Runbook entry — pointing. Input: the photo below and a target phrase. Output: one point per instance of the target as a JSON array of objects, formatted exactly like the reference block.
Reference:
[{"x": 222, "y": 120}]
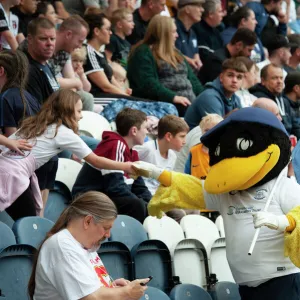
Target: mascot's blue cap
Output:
[{"x": 247, "y": 115}]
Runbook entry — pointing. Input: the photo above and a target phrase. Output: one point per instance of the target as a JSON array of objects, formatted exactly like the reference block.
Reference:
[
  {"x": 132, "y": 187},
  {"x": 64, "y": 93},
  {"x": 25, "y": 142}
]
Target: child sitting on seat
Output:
[
  {"x": 172, "y": 131},
  {"x": 130, "y": 196},
  {"x": 197, "y": 163}
]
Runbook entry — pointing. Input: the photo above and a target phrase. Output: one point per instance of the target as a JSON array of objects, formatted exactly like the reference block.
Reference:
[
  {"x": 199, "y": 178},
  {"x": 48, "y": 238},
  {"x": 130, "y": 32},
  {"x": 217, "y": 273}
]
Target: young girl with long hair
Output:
[
  {"x": 51, "y": 131},
  {"x": 157, "y": 71}
]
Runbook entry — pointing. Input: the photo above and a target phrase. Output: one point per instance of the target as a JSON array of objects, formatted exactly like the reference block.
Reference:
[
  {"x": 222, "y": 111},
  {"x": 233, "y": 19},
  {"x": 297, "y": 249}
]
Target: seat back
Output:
[
  {"x": 189, "y": 292},
  {"x": 152, "y": 258},
  {"x": 6, "y": 219},
  {"x": 31, "y": 230},
  {"x": 15, "y": 270},
  {"x": 128, "y": 231},
  {"x": 219, "y": 262},
  {"x": 190, "y": 262},
  {"x": 200, "y": 228},
  {"x": 58, "y": 200},
  {"x": 93, "y": 125},
  {"x": 7, "y": 237},
  {"x": 220, "y": 225},
  {"x": 225, "y": 291},
  {"x": 165, "y": 229},
  {"x": 117, "y": 260},
  {"x": 154, "y": 294},
  {"x": 67, "y": 172}
]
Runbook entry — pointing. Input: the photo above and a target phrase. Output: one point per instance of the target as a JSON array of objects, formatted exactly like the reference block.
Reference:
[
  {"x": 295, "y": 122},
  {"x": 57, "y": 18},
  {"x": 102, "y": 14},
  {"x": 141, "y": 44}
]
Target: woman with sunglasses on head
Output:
[{"x": 51, "y": 131}]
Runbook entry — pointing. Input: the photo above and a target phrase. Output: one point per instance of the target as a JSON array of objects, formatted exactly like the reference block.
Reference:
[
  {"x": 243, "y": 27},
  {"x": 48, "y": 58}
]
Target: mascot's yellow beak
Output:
[{"x": 240, "y": 173}]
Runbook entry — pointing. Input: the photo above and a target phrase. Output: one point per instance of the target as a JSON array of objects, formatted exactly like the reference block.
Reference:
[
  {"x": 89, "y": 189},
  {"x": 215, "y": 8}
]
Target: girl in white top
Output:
[
  {"x": 51, "y": 131},
  {"x": 68, "y": 266},
  {"x": 250, "y": 79}
]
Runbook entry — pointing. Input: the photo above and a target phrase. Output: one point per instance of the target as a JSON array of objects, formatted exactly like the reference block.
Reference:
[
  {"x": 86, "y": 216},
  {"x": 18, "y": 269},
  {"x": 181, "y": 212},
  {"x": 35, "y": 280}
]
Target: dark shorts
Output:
[
  {"x": 280, "y": 288},
  {"x": 46, "y": 174}
]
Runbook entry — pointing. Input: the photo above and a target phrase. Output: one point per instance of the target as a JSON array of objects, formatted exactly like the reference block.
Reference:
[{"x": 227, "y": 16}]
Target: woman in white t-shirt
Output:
[
  {"x": 51, "y": 131},
  {"x": 68, "y": 266}
]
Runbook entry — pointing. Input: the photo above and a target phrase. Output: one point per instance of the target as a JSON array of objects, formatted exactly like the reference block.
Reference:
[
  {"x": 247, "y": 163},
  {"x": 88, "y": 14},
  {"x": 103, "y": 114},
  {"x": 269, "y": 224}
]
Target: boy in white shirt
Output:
[{"x": 172, "y": 132}]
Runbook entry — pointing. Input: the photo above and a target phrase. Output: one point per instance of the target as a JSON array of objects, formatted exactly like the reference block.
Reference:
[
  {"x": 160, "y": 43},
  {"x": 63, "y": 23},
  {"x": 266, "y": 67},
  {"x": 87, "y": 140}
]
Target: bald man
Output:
[{"x": 269, "y": 105}]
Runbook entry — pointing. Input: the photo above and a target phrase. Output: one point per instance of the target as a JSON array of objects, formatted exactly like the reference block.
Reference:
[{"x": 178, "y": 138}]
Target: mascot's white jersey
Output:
[{"x": 267, "y": 260}]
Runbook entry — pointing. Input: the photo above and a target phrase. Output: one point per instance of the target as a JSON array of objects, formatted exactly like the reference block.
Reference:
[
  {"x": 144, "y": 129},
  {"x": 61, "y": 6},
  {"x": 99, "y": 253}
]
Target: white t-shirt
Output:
[
  {"x": 46, "y": 146},
  {"x": 192, "y": 139},
  {"x": 246, "y": 98},
  {"x": 149, "y": 152},
  {"x": 12, "y": 22},
  {"x": 66, "y": 271},
  {"x": 267, "y": 260}
]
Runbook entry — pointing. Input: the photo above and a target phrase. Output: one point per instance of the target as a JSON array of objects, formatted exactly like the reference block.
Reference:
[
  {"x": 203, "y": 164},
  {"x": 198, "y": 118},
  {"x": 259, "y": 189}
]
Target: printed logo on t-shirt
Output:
[
  {"x": 3, "y": 23},
  {"x": 14, "y": 24},
  {"x": 14, "y": 154},
  {"x": 53, "y": 83},
  {"x": 101, "y": 272},
  {"x": 232, "y": 210},
  {"x": 260, "y": 194}
]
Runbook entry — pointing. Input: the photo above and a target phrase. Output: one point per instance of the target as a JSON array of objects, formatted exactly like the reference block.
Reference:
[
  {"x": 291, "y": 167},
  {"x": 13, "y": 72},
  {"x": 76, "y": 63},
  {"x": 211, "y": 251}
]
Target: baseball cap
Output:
[
  {"x": 182, "y": 3},
  {"x": 278, "y": 41}
]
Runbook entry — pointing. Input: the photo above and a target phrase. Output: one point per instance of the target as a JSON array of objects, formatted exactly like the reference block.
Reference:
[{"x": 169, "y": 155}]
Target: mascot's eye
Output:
[
  {"x": 243, "y": 144},
  {"x": 217, "y": 151}
]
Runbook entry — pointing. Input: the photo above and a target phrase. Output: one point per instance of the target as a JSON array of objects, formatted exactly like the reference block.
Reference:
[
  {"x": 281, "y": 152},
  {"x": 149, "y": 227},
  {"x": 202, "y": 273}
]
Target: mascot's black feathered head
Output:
[{"x": 249, "y": 148}]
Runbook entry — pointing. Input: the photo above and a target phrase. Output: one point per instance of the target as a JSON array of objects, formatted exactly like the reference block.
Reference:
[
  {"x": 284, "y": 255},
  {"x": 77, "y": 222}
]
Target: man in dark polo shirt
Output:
[
  {"x": 209, "y": 37},
  {"x": 142, "y": 17},
  {"x": 189, "y": 13},
  {"x": 41, "y": 84}
]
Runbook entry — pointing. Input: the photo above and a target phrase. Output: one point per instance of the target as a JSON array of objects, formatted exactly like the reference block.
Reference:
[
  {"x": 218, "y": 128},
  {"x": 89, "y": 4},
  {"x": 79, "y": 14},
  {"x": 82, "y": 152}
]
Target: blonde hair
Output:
[
  {"x": 95, "y": 204},
  {"x": 208, "y": 120},
  {"x": 79, "y": 53},
  {"x": 159, "y": 37},
  {"x": 118, "y": 15}
]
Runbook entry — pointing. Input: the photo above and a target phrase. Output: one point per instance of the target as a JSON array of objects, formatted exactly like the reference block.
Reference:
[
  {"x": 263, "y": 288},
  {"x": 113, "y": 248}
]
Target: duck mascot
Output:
[{"x": 247, "y": 183}]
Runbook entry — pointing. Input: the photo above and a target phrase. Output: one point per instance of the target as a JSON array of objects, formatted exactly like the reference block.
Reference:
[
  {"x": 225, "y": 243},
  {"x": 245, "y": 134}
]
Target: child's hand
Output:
[
  {"x": 18, "y": 145},
  {"x": 128, "y": 91},
  {"x": 80, "y": 71}
]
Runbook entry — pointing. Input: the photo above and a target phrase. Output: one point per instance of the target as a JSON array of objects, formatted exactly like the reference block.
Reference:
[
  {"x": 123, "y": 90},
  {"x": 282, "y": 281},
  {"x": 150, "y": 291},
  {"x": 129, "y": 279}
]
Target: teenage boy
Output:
[
  {"x": 219, "y": 96},
  {"x": 130, "y": 196},
  {"x": 118, "y": 48},
  {"x": 172, "y": 132}
]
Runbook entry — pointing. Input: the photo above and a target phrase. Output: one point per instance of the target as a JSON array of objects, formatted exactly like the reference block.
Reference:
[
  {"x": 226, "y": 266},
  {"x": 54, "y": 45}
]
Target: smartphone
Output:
[{"x": 150, "y": 278}]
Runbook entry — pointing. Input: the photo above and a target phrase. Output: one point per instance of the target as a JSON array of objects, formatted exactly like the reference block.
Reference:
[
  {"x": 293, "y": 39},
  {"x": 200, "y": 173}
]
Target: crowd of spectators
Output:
[{"x": 204, "y": 58}]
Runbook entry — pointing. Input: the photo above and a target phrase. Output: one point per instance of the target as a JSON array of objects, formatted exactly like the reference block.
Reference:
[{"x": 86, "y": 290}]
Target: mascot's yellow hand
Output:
[
  {"x": 177, "y": 190},
  {"x": 292, "y": 237}
]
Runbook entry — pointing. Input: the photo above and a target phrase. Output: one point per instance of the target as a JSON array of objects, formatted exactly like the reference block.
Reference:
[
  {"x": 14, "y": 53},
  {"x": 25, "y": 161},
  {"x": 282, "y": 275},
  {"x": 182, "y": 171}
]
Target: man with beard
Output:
[
  {"x": 271, "y": 86},
  {"x": 241, "y": 44},
  {"x": 219, "y": 96}
]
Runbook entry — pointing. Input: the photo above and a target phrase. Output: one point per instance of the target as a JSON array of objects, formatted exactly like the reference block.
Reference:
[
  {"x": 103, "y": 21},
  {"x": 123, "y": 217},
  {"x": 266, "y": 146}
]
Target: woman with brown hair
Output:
[
  {"x": 157, "y": 71},
  {"x": 67, "y": 265},
  {"x": 51, "y": 131}
]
